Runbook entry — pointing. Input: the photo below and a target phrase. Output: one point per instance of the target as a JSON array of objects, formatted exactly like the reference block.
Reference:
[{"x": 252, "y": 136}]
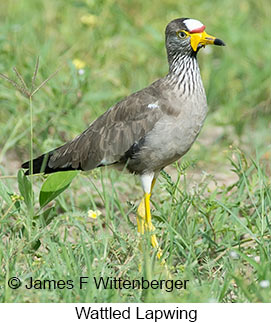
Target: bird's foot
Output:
[{"x": 144, "y": 226}]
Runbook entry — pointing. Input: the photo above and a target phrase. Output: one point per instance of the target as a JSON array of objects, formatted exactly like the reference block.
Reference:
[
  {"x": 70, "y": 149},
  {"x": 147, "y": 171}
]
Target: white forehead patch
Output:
[{"x": 192, "y": 24}]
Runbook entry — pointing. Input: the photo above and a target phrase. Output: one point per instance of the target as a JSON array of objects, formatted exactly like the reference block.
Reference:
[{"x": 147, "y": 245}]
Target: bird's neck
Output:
[
  {"x": 184, "y": 73},
  {"x": 178, "y": 62}
]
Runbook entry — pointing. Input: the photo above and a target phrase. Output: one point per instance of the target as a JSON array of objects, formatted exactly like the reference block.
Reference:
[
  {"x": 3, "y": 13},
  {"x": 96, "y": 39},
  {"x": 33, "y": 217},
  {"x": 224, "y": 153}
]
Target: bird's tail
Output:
[{"x": 41, "y": 165}]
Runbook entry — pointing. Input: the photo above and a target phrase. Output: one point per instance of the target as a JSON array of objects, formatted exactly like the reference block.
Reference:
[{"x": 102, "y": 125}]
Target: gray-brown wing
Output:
[{"x": 112, "y": 134}]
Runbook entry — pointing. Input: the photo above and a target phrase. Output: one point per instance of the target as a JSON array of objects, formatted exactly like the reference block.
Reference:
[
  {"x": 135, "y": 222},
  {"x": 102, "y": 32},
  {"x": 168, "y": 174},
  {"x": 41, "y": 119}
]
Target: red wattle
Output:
[{"x": 197, "y": 30}]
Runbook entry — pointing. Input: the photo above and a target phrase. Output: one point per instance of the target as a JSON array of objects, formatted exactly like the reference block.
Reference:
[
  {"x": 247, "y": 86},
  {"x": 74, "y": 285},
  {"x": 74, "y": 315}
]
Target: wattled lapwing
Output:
[{"x": 149, "y": 129}]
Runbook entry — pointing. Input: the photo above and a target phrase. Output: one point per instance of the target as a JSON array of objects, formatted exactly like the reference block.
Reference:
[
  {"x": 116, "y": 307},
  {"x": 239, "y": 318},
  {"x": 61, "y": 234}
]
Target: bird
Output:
[{"x": 147, "y": 130}]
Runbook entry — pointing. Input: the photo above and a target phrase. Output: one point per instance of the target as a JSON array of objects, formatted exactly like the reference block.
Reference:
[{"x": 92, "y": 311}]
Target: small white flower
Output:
[
  {"x": 81, "y": 71},
  {"x": 257, "y": 259},
  {"x": 234, "y": 255},
  {"x": 94, "y": 214},
  {"x": 265, "y": 283}
]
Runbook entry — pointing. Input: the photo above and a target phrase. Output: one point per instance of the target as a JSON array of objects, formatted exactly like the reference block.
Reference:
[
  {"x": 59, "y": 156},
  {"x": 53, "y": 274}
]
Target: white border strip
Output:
[{"x": 124, "y": 312}]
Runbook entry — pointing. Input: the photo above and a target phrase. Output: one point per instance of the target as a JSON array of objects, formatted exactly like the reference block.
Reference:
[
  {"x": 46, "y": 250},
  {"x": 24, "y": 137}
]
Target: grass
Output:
[{"x": 211, "y": 210}]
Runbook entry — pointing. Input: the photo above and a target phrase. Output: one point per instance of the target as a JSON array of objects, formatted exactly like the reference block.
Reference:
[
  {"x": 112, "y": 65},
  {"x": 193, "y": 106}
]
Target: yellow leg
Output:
[
  {"x": 148, "y": 223},
  {"x": 141, "y": 217},
  {"x": 144, "y": 220},
  {"x": 141, "y": 213}
]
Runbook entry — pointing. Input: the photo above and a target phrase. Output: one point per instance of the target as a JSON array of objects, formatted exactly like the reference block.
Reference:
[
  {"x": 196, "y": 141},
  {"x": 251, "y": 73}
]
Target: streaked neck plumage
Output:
[{"x": 184, "y": 74}]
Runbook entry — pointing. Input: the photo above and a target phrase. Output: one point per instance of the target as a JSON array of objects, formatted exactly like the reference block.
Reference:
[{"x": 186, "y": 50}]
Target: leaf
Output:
[
  {"x": 25, "y": 188},
  {"x": 4, "y": 193},
  {"x": 54, "y": 185}
]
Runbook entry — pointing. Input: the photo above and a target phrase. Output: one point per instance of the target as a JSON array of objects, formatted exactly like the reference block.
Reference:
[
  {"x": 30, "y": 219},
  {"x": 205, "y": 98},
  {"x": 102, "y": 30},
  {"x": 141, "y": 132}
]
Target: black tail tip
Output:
[
  {"x": 25, "y": 165},
  {"x": 39, "y": 165}
]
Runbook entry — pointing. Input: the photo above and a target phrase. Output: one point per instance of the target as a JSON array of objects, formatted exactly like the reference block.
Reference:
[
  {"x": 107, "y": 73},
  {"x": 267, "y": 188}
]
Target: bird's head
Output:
[{"x": 187, "y": 36}]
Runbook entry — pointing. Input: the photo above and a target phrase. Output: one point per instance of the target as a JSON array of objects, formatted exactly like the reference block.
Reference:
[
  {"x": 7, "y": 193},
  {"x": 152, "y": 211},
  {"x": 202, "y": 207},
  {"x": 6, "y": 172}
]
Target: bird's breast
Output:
[{"x": 173, "y": 136}]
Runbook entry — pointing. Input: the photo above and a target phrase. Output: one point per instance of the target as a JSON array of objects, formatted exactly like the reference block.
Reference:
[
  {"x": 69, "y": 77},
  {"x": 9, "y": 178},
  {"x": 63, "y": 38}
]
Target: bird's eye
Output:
[{"x": 182, "y": 34}]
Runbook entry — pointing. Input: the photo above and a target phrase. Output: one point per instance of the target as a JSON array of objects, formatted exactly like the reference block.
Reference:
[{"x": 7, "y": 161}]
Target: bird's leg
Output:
[
  {"x": 141, "y": 217},
  {"x": 141, "y": 214},
  {"x": 144, "y": 219}
]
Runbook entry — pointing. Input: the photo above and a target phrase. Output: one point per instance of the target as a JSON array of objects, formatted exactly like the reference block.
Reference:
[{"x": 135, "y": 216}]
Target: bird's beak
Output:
[{"x": 204, "y": 39}]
